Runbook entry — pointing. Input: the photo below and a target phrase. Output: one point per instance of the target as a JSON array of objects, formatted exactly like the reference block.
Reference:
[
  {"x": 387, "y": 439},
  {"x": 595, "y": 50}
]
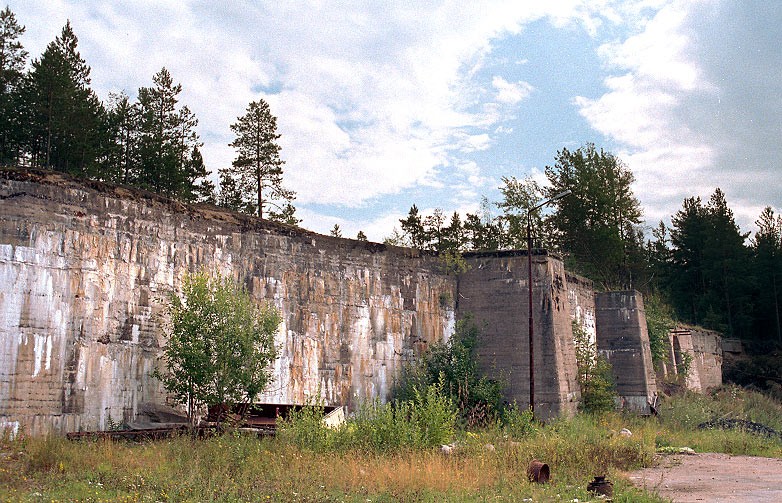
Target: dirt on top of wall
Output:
[{"x": 246, "y": 223}]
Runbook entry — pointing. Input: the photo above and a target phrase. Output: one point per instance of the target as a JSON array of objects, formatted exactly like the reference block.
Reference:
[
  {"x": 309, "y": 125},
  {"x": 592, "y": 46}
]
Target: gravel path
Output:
[{"x": 714, "y": 478}]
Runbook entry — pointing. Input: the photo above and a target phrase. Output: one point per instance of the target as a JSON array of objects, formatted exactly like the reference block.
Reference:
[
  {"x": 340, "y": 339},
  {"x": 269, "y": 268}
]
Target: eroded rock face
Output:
[{"x": 85, "y": 268}]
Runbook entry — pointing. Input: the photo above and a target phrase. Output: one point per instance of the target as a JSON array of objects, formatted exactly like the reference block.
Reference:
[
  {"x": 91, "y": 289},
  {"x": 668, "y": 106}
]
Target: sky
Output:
[{"x": 382, "y": 105}]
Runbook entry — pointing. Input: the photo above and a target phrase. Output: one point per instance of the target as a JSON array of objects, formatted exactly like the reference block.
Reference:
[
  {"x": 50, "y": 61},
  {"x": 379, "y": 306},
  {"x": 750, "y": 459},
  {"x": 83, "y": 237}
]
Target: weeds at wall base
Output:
[{"x": 236, "y": 468}]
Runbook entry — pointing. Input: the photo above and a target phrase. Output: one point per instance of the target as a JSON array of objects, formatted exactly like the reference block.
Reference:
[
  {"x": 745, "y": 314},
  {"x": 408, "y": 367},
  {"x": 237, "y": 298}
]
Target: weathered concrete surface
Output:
[
  {"x": 581, "y": 296},
  {"x": 84, "y": 266},
  {"x": 623, "y": 339},
  {"x": 705, "y": 349},
  {"x": 495, "y": 291}
]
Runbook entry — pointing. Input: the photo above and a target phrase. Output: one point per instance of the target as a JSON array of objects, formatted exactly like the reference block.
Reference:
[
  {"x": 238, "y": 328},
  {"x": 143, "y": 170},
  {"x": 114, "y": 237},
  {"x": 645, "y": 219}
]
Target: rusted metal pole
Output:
[
  {"x": 529, "y": 284},
  {"x": 531, "y": 330}
]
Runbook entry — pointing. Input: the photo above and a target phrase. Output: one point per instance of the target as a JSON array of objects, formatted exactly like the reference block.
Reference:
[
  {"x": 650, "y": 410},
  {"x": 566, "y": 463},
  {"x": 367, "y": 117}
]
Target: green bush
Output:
[
  {"x": 477, "y": 397},
  {"x": 305, "y": 427},
  {"x": 659, "y": 322},
  {"x": 517, "y": 423},
  {"x": 594, "y": 375},
  {"x": 426, "y": 421}
]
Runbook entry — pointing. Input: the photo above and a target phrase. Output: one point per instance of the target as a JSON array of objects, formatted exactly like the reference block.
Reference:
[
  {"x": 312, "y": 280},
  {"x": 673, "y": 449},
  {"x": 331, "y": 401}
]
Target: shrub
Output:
[
  {"x": 594, "y": 375},
  {"x": 659, "y": 322},
  {"x": 220, "y": 343},
  {"x": 426, "y": 421},
  {"x": 516, "y": 422},
  {"x": 305, "y": 428},
  {"x": 477, "y": 397}
]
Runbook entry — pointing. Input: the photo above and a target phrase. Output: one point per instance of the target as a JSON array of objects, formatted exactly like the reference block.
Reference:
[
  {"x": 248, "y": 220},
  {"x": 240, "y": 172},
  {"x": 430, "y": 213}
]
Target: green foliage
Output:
[
  {"x": 518, "y": 197},
  {"x": 305, "y": 428},
  {"x": 167, "y": 141},
  {"x": 684, "y": 366},
  {"x": 63, "y": 115},
  {"x": 594, "y": 374},
  {"x": 767, "y": 254},
  {"x": 220, "y": 343},
  {"x": 710, "y": 283},
  {"x": 254, "y": 182},
  {"x": 659, "y": 323},
  {"x": 12, "y": 63},
  {"x": 517, "y": 423},
  {"x": 596, "y": 224},
  {"x": 477, "y": 397},
  {"x": 426, "y": 421},
  {"x": 453, "y": 263},
  {"x": 335, "y": 231}
]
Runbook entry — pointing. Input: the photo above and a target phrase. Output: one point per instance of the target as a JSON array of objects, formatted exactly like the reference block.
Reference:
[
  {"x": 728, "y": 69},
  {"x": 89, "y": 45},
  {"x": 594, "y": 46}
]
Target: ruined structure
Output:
[
  {"x": 700, "y": 351},
  {"x": 85, "y": 268},
  {"x": 495, "y": 290},
  {"x": 623, "y": 340}
]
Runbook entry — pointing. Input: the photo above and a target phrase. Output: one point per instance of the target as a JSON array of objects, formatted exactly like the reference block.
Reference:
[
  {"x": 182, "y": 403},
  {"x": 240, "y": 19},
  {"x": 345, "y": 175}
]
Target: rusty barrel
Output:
[{"x": 538, "y": 472}]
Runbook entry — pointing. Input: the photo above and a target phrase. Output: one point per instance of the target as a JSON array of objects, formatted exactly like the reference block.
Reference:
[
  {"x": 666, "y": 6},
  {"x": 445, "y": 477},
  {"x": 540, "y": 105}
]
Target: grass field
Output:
[{"x": 238, "y": 468}]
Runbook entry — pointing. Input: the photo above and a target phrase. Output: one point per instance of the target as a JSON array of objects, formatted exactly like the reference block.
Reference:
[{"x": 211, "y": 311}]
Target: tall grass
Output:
[
  {"x": 426, "y": 421},
  {"x": 375, "y": 457}
]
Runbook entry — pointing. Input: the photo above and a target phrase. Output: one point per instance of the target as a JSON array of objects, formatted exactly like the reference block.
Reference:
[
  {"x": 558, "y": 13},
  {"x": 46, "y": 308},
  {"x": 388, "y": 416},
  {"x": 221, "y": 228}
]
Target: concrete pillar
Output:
[
  {"x": 494, "y": 290},
  {"x": 623, "y": 340}
]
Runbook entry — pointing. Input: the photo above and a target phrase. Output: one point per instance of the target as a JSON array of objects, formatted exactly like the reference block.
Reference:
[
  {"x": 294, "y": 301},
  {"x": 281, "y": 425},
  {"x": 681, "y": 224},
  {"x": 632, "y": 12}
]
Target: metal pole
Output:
[
  {"x": 529, "y": 284},
  {"x": 531, "y": 330}
]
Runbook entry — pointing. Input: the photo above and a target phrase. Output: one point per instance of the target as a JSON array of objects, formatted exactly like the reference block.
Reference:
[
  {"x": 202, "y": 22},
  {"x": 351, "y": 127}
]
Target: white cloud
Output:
[
  {"x": 693, "y": 103},
  {"x": 511, "y": 92},
  {"x": 372, "y": 98}
]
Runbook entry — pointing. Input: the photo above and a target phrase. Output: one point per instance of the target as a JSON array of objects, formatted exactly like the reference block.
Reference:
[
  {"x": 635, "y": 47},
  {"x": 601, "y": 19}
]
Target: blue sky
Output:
[{"x": 381, "y": 106}]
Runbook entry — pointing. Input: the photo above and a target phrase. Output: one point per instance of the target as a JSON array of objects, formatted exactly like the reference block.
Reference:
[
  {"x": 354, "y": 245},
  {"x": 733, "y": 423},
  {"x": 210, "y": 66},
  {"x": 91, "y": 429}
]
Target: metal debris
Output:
[{"x": 538, "y": 472}]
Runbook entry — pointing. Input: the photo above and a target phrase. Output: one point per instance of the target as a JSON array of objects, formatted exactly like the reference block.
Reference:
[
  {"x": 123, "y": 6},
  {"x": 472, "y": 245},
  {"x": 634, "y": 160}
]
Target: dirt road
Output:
[{"x": 714, "y": 478}]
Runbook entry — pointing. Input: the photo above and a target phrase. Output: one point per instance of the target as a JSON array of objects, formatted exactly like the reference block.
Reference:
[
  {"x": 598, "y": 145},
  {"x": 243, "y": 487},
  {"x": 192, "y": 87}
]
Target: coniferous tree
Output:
[
  {"x": 413, "y": 229},
  {"x": 167, "y": 138},
  {"x": 710, "y": 281},
  {"x": 767, "y": 251},
  {"x": 198, "y": 189},
  {"x": 119, "y": 160},
  {"x": 12, "y": 61},
  {"x": 453, "y": 235},
  {"x": 257, "y": 170},
  {"x": 361, "y": 236},
  {"x": 336, "y": 231},
  {"x": 689, "y": 228},
  {"x": 726, "y": 259},
  {"x": 63, "y": 114}
]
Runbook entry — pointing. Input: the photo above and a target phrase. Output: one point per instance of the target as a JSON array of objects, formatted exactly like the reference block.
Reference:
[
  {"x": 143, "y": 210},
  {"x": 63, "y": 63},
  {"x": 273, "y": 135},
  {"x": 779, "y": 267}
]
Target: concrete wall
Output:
[
  {"x": 623, "y": 339},
  {"x": 705, "y": 348},
  {"x": 84, "y": 266},
  {"x": 581, "y": 297},
  {"x": 495, "y": 291}
]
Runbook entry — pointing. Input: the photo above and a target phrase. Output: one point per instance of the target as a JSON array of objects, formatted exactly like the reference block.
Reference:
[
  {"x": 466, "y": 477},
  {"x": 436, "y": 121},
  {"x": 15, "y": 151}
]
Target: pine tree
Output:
[
  {"x": 168, "y": 161},
  {"x": 361, "y": 236},
  {"x": 727, "y": 259},
  {"x": 198, "y": 188},
  {"x": 12, "y": 61},
  {"x": 710, "y": 281},
  {"x": 257, "y": 170},
  {"x": 64, "y": 115},
  {"x": 336, "y": 231},
  {"x": 413, "y": 229},
  {"x": 767, "y": 248},
  {"x": 119, "y": 160}
]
